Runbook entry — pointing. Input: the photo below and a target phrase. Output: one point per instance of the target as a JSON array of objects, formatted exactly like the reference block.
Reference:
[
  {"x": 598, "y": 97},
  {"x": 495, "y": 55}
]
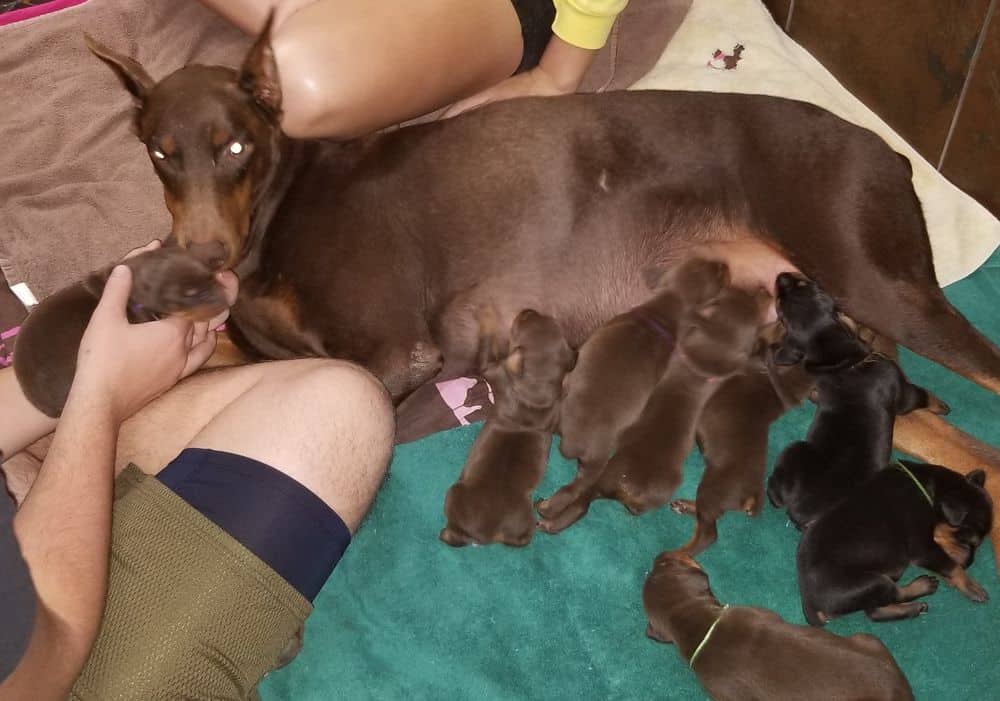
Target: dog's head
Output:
[
  {"x": 964, "y": 506},
  {"x": 213, "y": 136},
  {"x": 538, "y": 360},
  {"x": 169, "y": 281},
  {"x": 718, "y": 338},
  {"x": 813, "y": 330},
  {"x": 675, "y": 580},
  {"x": 694, "y": 281}
]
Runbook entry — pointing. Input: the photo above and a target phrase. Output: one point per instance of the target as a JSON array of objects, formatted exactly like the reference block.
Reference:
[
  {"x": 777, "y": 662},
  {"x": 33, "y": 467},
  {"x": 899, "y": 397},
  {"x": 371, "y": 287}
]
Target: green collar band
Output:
[
  {"x": 923, "y": 490},
  {"x": 704, "y": 641}
]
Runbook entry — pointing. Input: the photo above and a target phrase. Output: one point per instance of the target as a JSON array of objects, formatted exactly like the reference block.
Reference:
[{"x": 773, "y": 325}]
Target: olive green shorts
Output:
[{"x": 191, "y": 613}]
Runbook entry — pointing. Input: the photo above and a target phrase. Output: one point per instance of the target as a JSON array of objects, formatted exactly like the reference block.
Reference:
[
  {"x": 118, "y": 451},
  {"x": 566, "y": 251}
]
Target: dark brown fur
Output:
[
  {"x": 754, "y": 654},
  {"x": 491, "y": 502},
  {"x": 388, "y": 242},
  {"x": 715, "y": 341},
  {"x": 618, "y": 368},
  {"x": 165, "y": 281},
  {"x": 732, "y": 435}
]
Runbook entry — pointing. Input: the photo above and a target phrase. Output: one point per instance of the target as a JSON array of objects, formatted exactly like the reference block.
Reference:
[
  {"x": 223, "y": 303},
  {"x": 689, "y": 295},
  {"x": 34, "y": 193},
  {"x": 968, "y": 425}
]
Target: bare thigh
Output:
[
  {"x": 348, "y": 68},
  {"x": 327, "y": 424}
]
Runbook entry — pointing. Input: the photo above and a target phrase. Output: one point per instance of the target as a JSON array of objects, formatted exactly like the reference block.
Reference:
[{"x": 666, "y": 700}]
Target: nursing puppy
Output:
[
  {"x": 732, "y": 435},
  {"x": 716, "y": 341},
  {"x": 165, "y": 281},
  {"x": 491, "y": 501},
  {"x": 852, "y": 557},
  {"x": 858, "y": 395},
  {"x": 618, "y": 367},
  {"x": 741, "y": 653}
]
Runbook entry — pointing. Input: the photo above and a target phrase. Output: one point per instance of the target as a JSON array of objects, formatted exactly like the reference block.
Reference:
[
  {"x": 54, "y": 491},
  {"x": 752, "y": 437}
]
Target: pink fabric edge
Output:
[{"x": 37, "y": 11}]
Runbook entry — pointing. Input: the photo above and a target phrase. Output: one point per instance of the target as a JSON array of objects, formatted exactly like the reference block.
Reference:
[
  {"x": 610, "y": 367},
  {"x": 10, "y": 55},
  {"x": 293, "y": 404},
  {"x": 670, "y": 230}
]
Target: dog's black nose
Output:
[{"x": 786, "y": 281}]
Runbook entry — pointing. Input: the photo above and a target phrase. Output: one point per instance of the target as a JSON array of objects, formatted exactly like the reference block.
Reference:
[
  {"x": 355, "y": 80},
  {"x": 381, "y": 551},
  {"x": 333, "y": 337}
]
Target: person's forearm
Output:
[
  {"x": 22, "y": 423},
  {"x": 64, "y": 529},
  {"x": 566, "y": 64}
]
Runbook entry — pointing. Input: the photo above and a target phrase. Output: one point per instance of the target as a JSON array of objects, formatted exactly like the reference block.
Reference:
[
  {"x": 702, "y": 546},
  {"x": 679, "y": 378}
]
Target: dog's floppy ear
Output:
[
  {"x": 133, "y": 76},
  {"x": 788, "y": 352},
  {"x": 514, "y": 363},
  {"x": 259, "y": 74},
  {"x": 977, "y": 477},
  {"x": 954, "y": 510}
]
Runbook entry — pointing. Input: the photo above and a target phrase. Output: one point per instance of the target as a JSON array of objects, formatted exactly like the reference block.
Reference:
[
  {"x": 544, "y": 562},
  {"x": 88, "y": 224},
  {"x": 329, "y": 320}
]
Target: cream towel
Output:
[{"x": 963, "y": 233}]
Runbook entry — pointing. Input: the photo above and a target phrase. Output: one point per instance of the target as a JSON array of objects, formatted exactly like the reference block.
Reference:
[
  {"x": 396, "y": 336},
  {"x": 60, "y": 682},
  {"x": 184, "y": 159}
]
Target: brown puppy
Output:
[
  {"x": 491, "y": 502},
  {"x": 741, "y": 653},
  {"x": 618, "y": 367},
  {"x": 732, "y": 435},
  {"x": 716, "y": 341},
  {"x": 165, "y": 281}
]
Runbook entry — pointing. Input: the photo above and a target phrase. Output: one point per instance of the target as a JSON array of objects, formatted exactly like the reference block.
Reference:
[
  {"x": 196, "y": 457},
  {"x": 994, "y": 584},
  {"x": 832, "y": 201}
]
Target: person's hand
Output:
[
  {"x": 533, "y": 82},
  {"x": 127, "y": 365}
]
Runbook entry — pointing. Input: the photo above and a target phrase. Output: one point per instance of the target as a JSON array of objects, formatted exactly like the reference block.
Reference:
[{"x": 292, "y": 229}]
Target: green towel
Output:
[{"x": 406, "y": 617}]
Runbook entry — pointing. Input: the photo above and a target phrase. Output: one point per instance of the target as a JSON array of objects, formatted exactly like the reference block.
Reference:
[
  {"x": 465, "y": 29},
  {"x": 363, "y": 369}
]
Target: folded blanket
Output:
[{"x": 703, "y": 55}]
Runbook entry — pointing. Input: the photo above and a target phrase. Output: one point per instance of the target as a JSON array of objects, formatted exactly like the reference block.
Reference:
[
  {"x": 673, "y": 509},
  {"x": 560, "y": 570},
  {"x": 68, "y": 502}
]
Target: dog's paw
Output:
[
  {"x": 542, "y": 506},
  {"x": 932, "y": 583},
  {"x": 683, "y": 506},
  {"x": 923, "y": 608},
  {"x": 975, "y": 592}
]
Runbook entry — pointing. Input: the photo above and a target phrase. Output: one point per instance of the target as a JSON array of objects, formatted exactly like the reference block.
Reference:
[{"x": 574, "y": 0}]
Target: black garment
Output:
[
  {"x": 17, "y": 593},
  {"x": 536, "y": 18}
]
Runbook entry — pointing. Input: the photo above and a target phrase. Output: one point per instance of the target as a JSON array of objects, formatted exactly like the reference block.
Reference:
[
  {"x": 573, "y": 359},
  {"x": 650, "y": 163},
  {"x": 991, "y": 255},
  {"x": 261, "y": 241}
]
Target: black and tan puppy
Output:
[
  {"x": 716, "y": 341},
  {"x": 618, "y": 368},
  {"x": 732, "y": 435},
  {"x": 851, "y": 558},
  {"x": 165, "y": 281},
  {"x": 858, "y": 395},
  {"x": 741, "y": 653},
  {"x": 491, "y": 502}
]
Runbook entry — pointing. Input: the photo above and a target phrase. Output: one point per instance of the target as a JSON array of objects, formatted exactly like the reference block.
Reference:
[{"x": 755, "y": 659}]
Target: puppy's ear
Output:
[
  {"x": 259, "y": 74},
  {"x": 133, "y": 76},
  {"x": 789, "y": 352},
  {"x": 653, "y": 635},
  {"x": 911, "y": 397},
  {"x": 954, "y": 510},
  {"x": 514, "y": 363},
  {"x": 653, "y": 276},
  {"x": 977, "y": 477}
]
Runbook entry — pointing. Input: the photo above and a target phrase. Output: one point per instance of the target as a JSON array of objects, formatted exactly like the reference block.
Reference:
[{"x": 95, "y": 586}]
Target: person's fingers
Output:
[
  {"x": 230, "y": 283},
  {"x": 199, "y": 354},
  {"x": 151, "y": 246},
  {"x": 114, "y": 299}
]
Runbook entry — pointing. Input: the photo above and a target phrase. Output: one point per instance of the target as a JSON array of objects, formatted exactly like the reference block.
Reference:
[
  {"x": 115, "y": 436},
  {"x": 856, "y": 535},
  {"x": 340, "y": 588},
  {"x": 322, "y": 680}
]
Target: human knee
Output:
[{"x": 315, "y": 95}]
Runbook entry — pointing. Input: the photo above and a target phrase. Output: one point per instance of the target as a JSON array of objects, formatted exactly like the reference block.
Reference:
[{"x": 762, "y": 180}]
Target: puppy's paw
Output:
[
  {"x": 544, "y": 508},
  {"x": 683, "y": 506},
  {"x": 974, "y": 591},
  {"x": 932, "y": 583},
  {"x": 922, "y": 608}
]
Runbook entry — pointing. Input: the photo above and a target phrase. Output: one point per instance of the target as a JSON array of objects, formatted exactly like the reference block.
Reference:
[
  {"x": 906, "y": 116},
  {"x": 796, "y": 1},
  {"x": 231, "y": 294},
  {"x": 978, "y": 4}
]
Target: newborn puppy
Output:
[
  {"x": 165, "y": 281},
  {"x": 741, "y": 653},
  {"x": 858, "y": 396},
  {"x": 491, "y": 501},
  {"x": 852, "y": 557},
  {"x": 732, "y": 435},
  {"x": 716, "y": 341},
  {"x": 619, "y": 365}
]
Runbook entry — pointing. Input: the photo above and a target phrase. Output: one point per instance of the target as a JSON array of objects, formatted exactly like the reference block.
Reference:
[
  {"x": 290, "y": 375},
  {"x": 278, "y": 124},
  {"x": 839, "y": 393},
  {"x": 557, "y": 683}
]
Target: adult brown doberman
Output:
[{"x": 381, "y": 249}]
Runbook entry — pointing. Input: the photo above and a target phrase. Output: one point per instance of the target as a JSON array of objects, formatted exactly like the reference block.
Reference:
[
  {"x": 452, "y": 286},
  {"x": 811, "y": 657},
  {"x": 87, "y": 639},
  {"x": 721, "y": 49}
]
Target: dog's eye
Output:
[
  {"x": 157, "y": 153},
  {"x": 236, "y": 148}
]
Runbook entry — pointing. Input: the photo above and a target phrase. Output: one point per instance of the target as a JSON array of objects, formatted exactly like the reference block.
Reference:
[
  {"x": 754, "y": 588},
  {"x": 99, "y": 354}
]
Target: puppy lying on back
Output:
[
  {"x": 620, "y": 365},
  {"x": 491, "y": 501},
  {"x": 732, "y": 435},
  {"x": 851, "y": 558},
  {"x": 858, "y": 396},
  {"x": 165, "y": 281},
  {"x": 741, "y": 653},
  {"x": 716, "y": 341}
]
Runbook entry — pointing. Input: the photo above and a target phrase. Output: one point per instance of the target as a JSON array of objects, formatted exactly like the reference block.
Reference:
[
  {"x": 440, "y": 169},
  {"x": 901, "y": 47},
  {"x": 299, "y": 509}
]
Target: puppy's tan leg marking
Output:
[
  {"x": 961, "y": 580},
  {"x": 895, "y": 612},
  {"x": 932, "y": 439}
]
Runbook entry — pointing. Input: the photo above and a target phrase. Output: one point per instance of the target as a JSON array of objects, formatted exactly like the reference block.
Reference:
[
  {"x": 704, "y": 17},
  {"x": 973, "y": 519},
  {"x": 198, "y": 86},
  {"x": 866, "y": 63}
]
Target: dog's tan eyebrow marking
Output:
[
  {"x": 166, "y": 145},
  {"x": 220, "y": 137}
]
